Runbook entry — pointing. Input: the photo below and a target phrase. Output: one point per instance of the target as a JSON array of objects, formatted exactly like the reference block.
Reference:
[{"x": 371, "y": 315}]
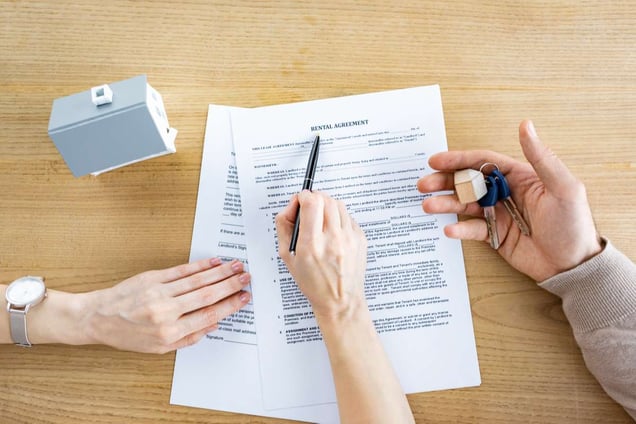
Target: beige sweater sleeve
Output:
[{"x": 599, "y": 300}]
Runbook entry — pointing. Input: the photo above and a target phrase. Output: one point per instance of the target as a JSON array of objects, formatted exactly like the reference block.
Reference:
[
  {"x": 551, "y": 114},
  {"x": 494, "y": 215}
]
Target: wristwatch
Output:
[{"x": 22, "y": 295}]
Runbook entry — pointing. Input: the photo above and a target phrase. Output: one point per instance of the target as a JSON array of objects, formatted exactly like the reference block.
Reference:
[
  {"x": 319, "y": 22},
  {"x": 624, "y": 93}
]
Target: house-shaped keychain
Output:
[{"x": 110, "y": 126}]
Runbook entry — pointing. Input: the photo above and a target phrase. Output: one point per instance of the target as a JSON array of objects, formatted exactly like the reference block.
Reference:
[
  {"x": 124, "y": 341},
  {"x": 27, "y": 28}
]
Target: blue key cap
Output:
[
  {"x": 511, "y": 207},
  {"x": 488, "y": 202}
]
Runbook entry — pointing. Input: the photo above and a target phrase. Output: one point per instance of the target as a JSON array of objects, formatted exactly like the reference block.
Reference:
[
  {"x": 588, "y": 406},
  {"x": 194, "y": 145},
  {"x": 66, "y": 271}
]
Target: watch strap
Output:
[{"x": 17, "y": 318}]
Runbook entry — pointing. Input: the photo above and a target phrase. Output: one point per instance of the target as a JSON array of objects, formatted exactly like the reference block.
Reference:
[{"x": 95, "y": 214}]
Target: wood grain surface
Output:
[{"x": 568, "y": 65}]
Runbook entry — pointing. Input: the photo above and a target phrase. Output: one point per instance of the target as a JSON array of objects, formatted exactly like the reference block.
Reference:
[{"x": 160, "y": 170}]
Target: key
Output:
[
  {"x": 504, "y": 195},
  {"x": 488, "y": 202},
  {"x": 470, "y": 185}
]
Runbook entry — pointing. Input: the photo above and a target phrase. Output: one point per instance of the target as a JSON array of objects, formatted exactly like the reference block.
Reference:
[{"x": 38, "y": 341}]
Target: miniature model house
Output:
[{"x": 110, "y": 126}]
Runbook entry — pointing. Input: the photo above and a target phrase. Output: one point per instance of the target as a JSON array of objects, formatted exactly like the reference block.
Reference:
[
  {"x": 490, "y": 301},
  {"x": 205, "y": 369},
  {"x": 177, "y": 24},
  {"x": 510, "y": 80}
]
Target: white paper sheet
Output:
[
  {"x": 221, "y": 371},
  {"x": 374, "y": 147}
]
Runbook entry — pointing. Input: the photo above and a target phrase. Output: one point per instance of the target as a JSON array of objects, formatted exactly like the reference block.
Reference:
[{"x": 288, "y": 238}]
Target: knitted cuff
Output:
[{"x": 597, "y": 293}]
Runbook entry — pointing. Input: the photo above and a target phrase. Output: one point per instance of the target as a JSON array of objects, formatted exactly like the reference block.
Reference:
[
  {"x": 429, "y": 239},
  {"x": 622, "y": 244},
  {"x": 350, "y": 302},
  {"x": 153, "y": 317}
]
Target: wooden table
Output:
[{"x": 569, "y": 65}]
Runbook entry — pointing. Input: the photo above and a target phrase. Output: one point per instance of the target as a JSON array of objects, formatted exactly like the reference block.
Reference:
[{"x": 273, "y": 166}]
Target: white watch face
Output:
[{"x": 24, "y": 291}]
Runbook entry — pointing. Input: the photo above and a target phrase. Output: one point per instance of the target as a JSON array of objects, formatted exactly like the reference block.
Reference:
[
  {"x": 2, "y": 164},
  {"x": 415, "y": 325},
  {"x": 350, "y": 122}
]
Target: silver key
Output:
[
  {"x": 488, "y": 203},
  {"x": 504, "y": 195}
]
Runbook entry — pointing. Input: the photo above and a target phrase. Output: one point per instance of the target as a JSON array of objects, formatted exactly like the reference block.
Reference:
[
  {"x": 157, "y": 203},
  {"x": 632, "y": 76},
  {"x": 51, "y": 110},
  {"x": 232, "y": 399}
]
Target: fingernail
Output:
[
  {"x": 215, "y": 261},
  {"x": 531, "y": 130},
  {"x": 244, "y": 297},
  {"x": 244, "y": 278},
  {"x": 237, "y": 266}
]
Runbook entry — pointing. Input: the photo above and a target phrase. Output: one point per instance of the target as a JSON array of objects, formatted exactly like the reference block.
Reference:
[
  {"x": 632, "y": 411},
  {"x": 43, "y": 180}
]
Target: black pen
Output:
[{"x": 307, "y": 183}]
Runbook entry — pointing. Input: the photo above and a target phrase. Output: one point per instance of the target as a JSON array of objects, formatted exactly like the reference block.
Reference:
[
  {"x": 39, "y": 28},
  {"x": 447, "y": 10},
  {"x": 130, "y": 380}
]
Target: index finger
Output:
[
  {"x": 287, "y": 215},
  {"x": 178, "y": 272},
  {"x": 312, "y": 210},
  {"x": 454, "y": 160}
]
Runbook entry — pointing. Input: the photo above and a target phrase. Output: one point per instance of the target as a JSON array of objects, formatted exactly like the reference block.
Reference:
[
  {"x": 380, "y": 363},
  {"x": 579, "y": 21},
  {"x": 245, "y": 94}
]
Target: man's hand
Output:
[{"x": 552, "y": 200}]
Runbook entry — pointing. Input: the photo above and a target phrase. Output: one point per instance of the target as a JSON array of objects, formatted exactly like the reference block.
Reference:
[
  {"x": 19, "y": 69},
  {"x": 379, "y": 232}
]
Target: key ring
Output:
[{"x": 481, "y": 168}]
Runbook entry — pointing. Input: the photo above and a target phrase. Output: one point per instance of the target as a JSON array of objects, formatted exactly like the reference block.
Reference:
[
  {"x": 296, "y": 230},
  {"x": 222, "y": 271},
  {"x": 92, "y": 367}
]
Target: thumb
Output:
[{"x": 553, "y": 173}]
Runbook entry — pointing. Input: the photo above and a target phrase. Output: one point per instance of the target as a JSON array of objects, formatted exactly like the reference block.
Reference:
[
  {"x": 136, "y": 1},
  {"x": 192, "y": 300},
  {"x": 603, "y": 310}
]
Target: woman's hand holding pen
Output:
[
  {"x": 331, "y": 253},
  {"x": 552, "y": 199},
  {"x": 329, "y": 266},
  {"x": 163, "y": 310}
]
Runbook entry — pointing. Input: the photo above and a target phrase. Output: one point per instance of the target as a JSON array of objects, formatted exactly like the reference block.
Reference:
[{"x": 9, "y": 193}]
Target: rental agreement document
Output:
[
  {"x": 221, "y": 371},
  {"x": 374, "y": 147}
]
